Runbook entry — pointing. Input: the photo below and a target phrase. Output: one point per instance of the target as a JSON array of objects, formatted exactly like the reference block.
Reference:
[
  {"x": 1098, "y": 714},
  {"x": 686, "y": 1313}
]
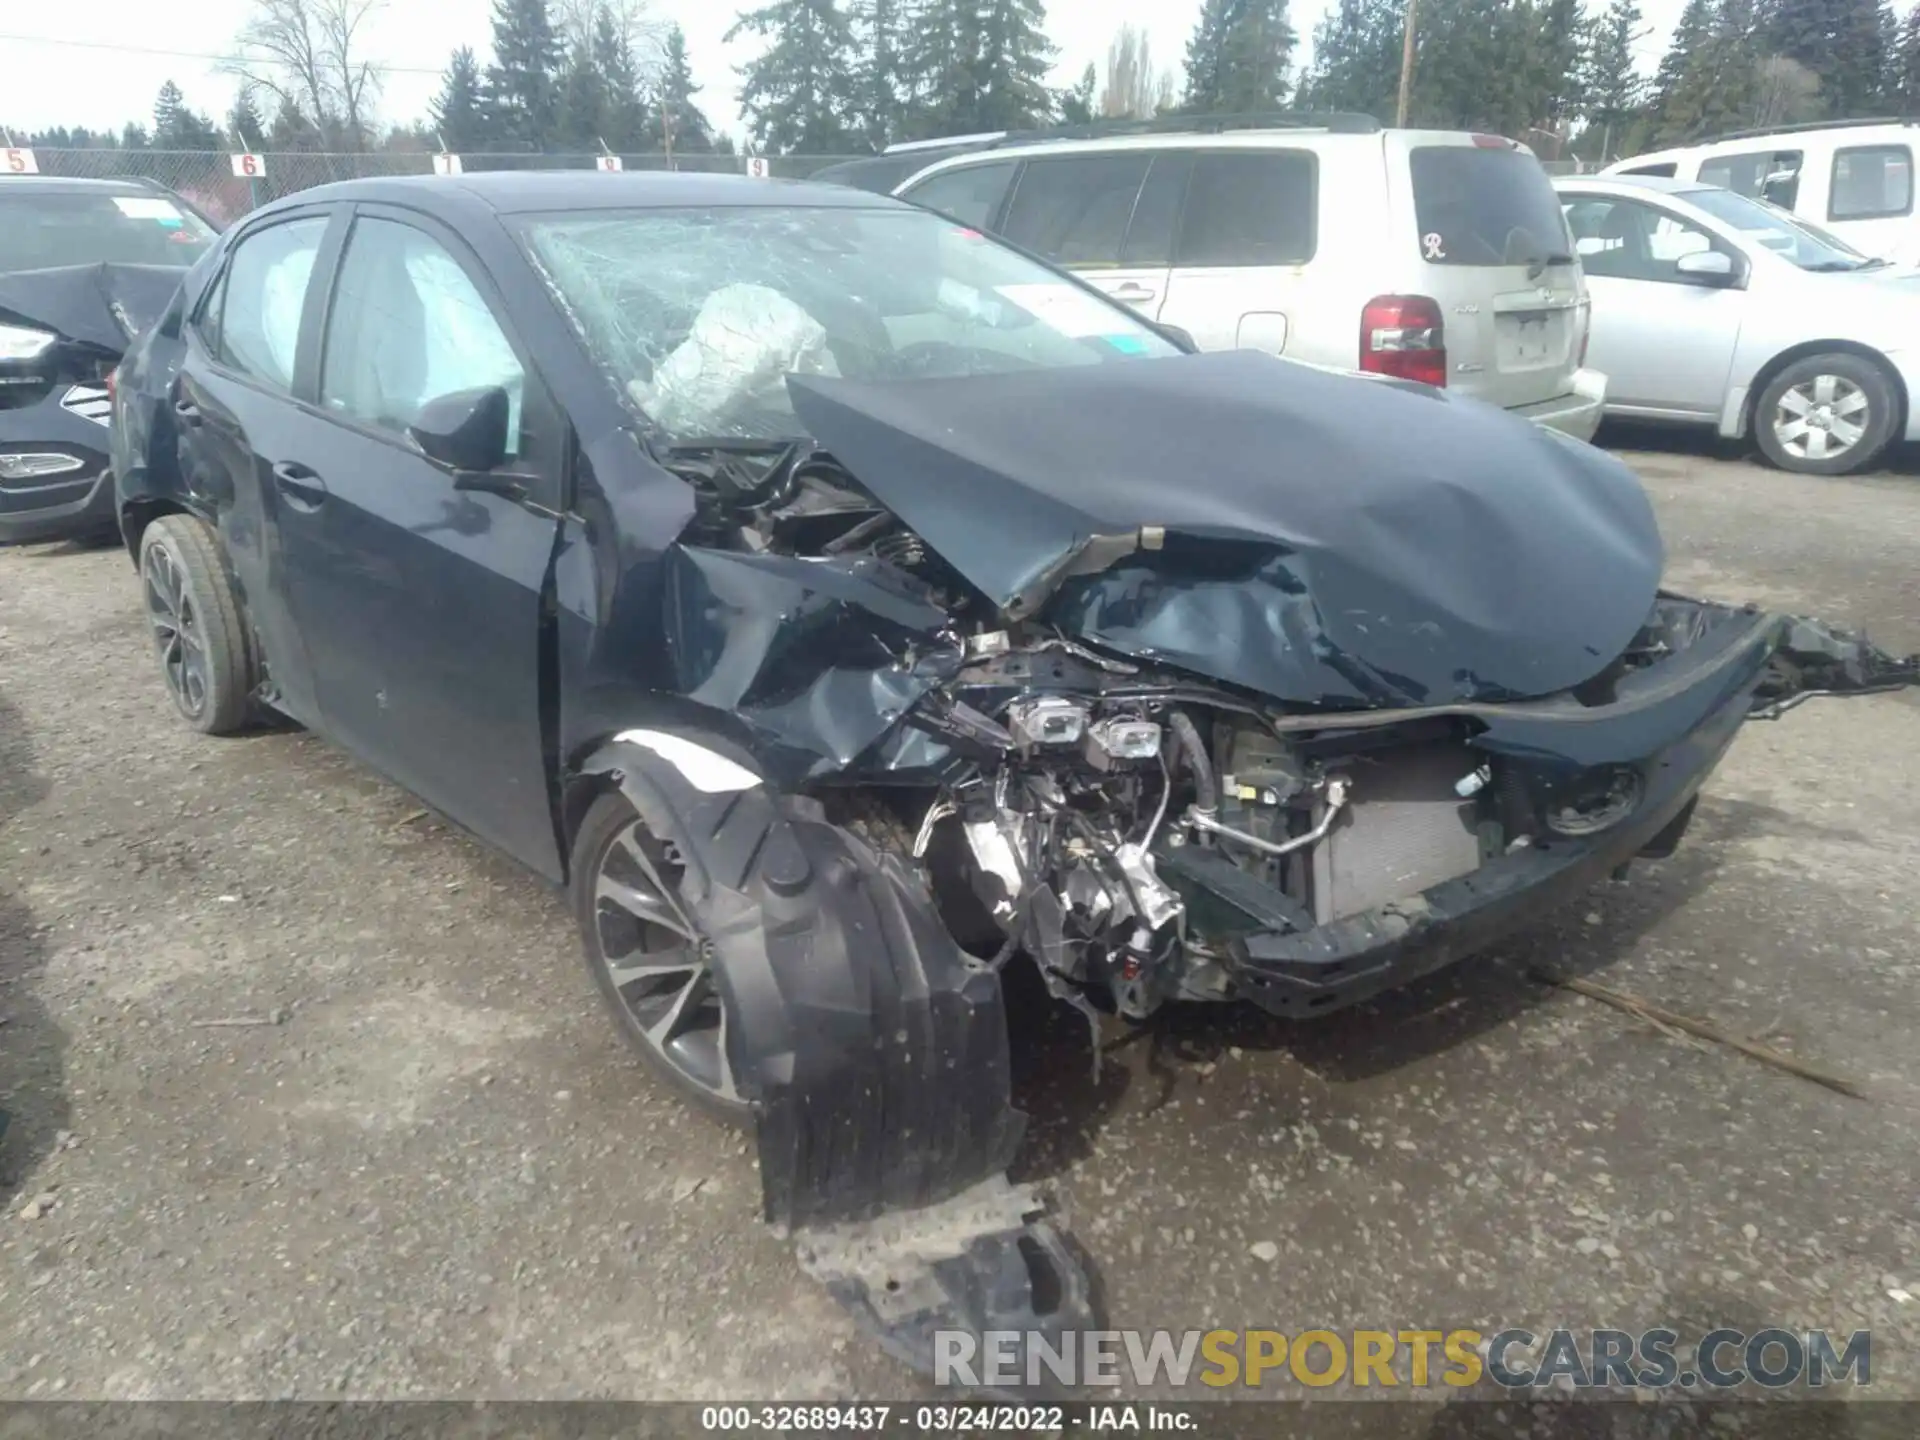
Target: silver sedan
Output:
[{"x": 1710, "y": 308}]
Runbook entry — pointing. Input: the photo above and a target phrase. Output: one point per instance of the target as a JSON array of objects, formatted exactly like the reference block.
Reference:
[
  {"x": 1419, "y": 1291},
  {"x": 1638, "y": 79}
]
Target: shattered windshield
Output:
[{"x": 701, "y": 314}]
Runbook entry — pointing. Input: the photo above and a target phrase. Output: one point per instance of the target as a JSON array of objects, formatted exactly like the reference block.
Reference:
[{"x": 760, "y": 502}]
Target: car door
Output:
[
  {"x": 1079, "y": 211},
  {"x": 1665, "y": 340},
  {"x": 422, "y": 603},
  {"x": 1246, "y": 235},
  {"x": 235, "y": 419}
]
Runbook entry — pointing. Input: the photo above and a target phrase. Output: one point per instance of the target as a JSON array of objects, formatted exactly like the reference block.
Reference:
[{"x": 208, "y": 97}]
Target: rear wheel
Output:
[
  {"x": 1827, "y": 415},
  {"x": 649, "y": 957},
  {"x": 194, "y": 616}
]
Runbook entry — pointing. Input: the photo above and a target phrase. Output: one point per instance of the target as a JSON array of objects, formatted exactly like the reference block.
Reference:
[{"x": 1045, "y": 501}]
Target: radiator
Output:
[{"x": 1404, "y": 830}]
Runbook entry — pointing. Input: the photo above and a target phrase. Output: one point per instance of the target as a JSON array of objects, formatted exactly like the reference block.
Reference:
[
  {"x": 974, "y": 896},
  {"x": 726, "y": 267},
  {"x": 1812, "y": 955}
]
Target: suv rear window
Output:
[
  {"x": 43, "y": 229},
  {"x": 1480, "y": 206}
]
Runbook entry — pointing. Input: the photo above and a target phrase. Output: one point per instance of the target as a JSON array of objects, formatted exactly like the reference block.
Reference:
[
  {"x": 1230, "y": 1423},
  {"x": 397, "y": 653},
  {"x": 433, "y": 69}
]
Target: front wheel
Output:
[
  {"x": 649, "y": 958},
  {"x": 1827, "y": 415}
]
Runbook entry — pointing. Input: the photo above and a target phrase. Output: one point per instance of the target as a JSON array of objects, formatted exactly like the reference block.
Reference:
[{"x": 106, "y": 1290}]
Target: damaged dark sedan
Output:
[
  {"x": 844, "y": 605},
  {"x": 85, "y": 265}
]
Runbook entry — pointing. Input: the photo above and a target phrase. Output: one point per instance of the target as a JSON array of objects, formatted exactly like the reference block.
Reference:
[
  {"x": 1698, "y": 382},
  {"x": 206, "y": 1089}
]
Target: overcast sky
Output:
[{"x": 74, "y": 83}]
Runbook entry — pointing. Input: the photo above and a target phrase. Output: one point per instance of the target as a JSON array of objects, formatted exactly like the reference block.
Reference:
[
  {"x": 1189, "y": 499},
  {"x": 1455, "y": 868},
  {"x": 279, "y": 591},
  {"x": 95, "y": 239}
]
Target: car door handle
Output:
[
  {"x": 303, "y": 487},
  {"x": 187, "y": 411},
  {"x": 1134, "y": 293}
]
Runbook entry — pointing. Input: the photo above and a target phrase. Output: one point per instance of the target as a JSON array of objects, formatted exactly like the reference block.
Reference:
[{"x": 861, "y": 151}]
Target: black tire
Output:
[
  {"x": 199, "y": 635},
  {"x": 1798, "y": 430},
  {"x": 603, "y": 925}
]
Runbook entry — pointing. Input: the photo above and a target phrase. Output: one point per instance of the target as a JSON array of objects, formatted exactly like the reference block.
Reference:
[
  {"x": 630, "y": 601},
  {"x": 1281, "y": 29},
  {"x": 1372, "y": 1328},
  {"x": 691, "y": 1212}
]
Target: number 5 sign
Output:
[
  {"x": 249, "y": 167},
  {"x": 18, "y": 162}
]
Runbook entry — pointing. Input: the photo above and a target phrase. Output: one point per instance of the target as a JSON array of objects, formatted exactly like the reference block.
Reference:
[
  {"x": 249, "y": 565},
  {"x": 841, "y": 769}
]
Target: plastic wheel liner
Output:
[{"x": 875, "y": 1054}]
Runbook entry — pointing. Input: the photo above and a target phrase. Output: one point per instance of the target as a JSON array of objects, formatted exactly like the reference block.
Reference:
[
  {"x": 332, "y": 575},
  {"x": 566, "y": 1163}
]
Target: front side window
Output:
[
  {"x": 971, "y": 195},
  {"x": 1625, "y": 240},
  {"x": 407, "y": 326},
  {"x": 259, "y": 307},
  {"x": 1250, "y": 208},
  {"x": 1871, "y": 182},
  {"x": 701, "y": 315},
  {"x": 1770, "y": 175},
  {"x": 1075, "y": 209}
]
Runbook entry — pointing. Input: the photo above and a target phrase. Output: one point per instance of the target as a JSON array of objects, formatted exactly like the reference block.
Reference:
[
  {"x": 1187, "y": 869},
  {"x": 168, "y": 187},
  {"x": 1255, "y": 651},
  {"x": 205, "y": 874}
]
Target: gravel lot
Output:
[{"x": 439, "y": 1174}]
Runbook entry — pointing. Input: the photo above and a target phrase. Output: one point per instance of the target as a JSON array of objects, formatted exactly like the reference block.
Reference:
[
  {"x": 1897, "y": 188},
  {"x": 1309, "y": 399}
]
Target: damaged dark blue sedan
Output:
[{"x": 841, "y": 604}]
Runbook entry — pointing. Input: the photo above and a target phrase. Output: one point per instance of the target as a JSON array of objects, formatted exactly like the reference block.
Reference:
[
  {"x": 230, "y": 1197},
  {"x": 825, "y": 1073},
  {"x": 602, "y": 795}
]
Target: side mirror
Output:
[
  {"x": 465, "y": 431},
  {"x": 1706, "y": 267}
]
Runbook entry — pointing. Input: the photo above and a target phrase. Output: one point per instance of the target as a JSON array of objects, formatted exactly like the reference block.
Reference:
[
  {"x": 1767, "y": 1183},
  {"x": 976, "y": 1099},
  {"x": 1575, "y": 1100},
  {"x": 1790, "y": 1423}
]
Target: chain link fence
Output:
[{"x": 207, "y": 178}]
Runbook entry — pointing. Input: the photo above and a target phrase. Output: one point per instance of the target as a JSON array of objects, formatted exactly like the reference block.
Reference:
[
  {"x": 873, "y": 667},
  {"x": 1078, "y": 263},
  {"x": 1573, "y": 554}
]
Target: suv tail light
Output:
[{"x": 1404, "y": 336}]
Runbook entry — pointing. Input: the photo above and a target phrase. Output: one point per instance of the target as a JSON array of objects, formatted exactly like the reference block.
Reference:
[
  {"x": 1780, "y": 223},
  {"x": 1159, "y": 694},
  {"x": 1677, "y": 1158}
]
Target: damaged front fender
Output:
[{"x": 873, "y": 1050}]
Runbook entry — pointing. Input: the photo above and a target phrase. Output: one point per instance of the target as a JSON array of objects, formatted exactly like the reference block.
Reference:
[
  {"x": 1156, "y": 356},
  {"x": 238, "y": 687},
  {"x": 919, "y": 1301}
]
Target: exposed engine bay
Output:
[{"x": 1127, "y": 826}]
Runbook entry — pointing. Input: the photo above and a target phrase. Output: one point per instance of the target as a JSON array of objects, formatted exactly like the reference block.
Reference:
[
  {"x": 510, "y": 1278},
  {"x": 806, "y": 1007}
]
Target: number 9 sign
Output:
[
  {"x": 249, "y": 167},
  {"x": 18, "y": 162}
]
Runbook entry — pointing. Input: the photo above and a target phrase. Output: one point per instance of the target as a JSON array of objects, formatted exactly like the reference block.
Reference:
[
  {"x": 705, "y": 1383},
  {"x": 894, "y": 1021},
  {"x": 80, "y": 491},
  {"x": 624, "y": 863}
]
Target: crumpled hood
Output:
[
  {"x": 1328, "y": 539},
  {"x": 103, "y": 305}
]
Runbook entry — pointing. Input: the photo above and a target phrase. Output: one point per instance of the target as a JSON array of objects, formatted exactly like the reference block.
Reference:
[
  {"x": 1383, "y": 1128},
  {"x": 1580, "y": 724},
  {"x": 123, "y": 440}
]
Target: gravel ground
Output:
[{"x": 432, "y": 1170}]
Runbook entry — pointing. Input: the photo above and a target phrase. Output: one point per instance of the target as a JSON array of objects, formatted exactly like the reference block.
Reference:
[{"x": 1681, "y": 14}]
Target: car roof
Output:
[
  {"x": 72, "y": 185},
  {"x": 524, "y": 192},
  {"x": 1661, "y": 184}
]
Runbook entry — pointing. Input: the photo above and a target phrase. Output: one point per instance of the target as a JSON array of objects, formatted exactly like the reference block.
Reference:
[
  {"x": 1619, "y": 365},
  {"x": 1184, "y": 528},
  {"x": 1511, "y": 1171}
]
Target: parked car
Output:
[
  {"x": 879, "y": 174},
  {"x": 1855, "y": 177},
  {"x": 84, "y": 264},
  {"x": 1710, "y": 308},
  {"x": 1428, "y": 255},
  {"x": 838, "y": 603}
]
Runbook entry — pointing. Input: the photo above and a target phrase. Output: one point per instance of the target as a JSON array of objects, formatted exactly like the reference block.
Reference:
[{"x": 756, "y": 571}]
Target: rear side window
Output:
[
  {"x": 1251, "y": 208},
  {"x": 1475, "y": 205},
  {"x": 1664, "y": 167},
  {"x": 1075, "y": 209},
  {"x": 1771, "y": 175},
  {"x": 971, "y": 195},
  {"x": 266, "y": 289},
  {"x": 1871, "y": 182},
  {"x": 1156, "y": 218}
]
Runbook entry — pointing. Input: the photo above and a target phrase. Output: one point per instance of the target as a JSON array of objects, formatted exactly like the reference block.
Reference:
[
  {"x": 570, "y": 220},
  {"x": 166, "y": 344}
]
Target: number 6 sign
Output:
[
  {"x": 19, "y": 162},
  {"x": 249, "y": 167}
]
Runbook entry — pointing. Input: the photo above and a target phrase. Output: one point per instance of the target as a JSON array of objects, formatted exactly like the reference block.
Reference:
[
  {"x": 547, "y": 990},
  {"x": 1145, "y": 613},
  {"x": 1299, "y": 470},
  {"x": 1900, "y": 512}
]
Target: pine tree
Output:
[
  {"x": 1840, "y": 41},
  {"x": 692, "y": 131},
  {"x": 523, "y": 84},
  {"x": 937, "y": 66},
  {"x": 167, "y": 108},
  {"x": 1356, "y": 58},
  {"x": 628, "y": 123},
  {"x": 796, "y": 96},
  {"x": 1906, "y": 95},
  {"x": 1014, "y": 60},
  {"x": 1610, "y": 82},
  {"x": 244, "y": 121},
  {"x": 459, "y": 111},
  {"x": 583, "y": 111},
  {"x": 1557, "y": 63},
  {"x": 1076, "y": 105},
  {"x": 1238, "y": 56},
  {"x": 879, "y": 31},
  {"x": 134, "y": 136}
]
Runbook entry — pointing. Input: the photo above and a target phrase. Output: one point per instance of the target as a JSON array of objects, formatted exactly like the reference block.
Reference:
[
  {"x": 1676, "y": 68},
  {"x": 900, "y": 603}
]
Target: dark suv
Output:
[{"x": 84, "y": 265}]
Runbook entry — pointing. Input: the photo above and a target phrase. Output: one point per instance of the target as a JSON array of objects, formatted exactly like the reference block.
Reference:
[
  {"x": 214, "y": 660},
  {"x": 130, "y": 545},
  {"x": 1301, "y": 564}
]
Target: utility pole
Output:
[{"x": 1406, "y": 66}]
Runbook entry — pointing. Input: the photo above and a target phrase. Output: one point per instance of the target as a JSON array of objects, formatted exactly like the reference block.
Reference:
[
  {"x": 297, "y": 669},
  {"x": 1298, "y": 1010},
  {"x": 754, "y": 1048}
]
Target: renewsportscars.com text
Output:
[{"x": 1513, "y": 1359}]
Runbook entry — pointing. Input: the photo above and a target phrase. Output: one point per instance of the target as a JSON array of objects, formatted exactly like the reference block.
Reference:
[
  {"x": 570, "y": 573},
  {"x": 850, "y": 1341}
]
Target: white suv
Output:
[
  {"x": 1426, "y": 254},
  {"x": 1853, "y": 177}
]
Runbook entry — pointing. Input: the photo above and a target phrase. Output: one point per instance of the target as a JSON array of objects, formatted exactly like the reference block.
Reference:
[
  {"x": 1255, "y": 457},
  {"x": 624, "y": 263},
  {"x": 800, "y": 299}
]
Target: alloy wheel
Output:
[
  {"x": 176, "y": 630},
  {"x": 660, "y": 964},
  {"x": 1821, "y": 418}
]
